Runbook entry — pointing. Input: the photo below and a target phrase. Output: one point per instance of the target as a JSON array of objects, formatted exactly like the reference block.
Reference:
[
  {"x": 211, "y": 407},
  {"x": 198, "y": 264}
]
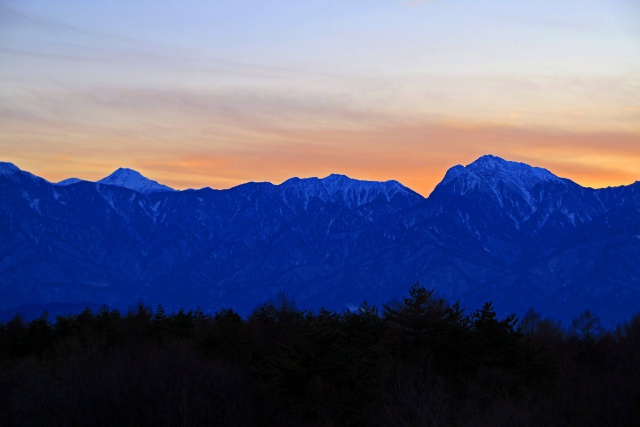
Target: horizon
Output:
[
  {"x": 277, "y": 183},
  {"x": 197, "y": 94}
]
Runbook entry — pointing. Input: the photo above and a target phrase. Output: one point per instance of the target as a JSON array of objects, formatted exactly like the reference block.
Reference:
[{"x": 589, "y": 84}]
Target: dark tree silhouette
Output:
[
  {"x": 423, "y": 362},
  {"x": 586, "y": 327},
  {"x": 530, "y": 322}
]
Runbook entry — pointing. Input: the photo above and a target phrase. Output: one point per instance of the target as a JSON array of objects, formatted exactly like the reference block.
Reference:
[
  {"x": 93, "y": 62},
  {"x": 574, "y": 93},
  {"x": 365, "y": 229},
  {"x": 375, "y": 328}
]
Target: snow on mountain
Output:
[
  {"x": 133, "y": 180},
  {"x": 493, "y": 166},
  {"x": 494, "y": 172},
  {"x": 493, "y": 230},
  {"x": 360, "y": 191},
  {"x": 296, "y": 191},
  {"x": 351, "y": 192},
  {"x": 16, "y": 174},
  {"x": 506, "y": 182}
]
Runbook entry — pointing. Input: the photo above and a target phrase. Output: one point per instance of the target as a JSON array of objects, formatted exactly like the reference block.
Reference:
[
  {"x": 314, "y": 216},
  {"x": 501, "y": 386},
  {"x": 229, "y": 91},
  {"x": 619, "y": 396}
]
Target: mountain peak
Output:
[
  {"x": 7, "y": 168},
  {"x": 493, "y": 177},
  {"x": 490, "y": 159},
  {"x": 349, "y": 191},
  {"x": 337, "y": 177},
  {"x": 492, "y": 170},
  {"x": 133, "y": 180},
  {"x": 68, "y": 181},
  {"x": 336, "y": 180},
  {"x": 356, "y": 192},
  {"x": 126, "y": 172},
  {"x": 14, "y": 173},
  {"x": 492, "y": 165}
]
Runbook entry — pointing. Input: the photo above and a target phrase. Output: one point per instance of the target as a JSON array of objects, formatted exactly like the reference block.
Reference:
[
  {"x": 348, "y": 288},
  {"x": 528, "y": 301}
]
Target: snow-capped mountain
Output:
[
  {"x": 493, "y": 230},
  {"x": 133, "y": 180},
  {"x": 516, "y": 200},
  {"x": 492, "y": 178},
  {"x": 352, "y": 193},
  {"x": 15, "y": 174}
]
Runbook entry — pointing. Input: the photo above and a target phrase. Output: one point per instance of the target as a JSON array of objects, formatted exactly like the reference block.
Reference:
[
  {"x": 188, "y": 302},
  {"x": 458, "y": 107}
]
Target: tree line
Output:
[{"x": 417, "y": 362}]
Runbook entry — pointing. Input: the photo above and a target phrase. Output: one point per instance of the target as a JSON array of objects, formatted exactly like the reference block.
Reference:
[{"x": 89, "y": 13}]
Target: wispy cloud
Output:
[
  {"x": 53, "y": 40},
  {"x": 418, "y": 155},
  {"x": 191, "y": 115},
  {"x": 415, "y": 153}
]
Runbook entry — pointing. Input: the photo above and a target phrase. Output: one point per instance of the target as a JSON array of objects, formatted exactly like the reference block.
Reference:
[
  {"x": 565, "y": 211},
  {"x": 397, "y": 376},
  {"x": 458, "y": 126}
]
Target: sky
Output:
[{"x": 197, "y": 93}]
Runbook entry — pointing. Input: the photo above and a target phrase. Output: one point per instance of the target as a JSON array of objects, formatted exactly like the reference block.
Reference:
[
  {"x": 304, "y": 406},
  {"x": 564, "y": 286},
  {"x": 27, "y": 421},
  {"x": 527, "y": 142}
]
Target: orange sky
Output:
[
  {"x": 196, "y": 94},
  {"x": 417, "y": 155}
]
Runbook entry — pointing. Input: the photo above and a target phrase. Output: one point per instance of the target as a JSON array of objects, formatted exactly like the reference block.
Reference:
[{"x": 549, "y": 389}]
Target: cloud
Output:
[
  {"x": 416, "y": 154},
  {"x": 224, "y": 137},
  {"x": 189, "y": 118},
  {"x": 76, "y": 55}
]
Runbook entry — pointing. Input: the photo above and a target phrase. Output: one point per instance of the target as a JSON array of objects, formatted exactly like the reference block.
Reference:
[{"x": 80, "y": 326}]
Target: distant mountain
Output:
[
  {"x": 493, "y": 230},
  {"x": 125, "y": 178},
  {"x": 133, "y": 180},
  {"x": 69, "y": 181}
]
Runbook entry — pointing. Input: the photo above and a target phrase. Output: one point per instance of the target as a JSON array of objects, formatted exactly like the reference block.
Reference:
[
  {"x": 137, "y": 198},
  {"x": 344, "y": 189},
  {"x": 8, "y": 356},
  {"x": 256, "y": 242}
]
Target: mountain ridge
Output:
[
  {"x": 542, "y": 241},
  {"x": 8, "y": 167}
]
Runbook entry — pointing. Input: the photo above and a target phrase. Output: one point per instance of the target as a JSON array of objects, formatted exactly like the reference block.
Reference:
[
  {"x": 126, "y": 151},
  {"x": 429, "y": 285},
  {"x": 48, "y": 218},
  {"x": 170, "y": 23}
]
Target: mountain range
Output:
[{"x": 493, "y": 230}]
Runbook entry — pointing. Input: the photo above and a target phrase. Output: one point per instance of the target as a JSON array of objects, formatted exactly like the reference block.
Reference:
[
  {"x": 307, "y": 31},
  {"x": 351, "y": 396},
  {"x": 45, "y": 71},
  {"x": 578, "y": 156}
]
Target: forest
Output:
[{"x": 420, "y": 361}]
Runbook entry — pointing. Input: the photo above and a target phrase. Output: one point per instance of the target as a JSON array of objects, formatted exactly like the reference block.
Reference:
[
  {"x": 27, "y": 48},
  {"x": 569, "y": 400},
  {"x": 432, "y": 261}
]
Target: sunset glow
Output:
[{"x": 196, "y": 93}]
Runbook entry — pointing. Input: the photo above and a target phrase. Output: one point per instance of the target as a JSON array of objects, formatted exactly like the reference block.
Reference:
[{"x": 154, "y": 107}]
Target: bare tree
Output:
[{"x": 587, "y": 326}]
